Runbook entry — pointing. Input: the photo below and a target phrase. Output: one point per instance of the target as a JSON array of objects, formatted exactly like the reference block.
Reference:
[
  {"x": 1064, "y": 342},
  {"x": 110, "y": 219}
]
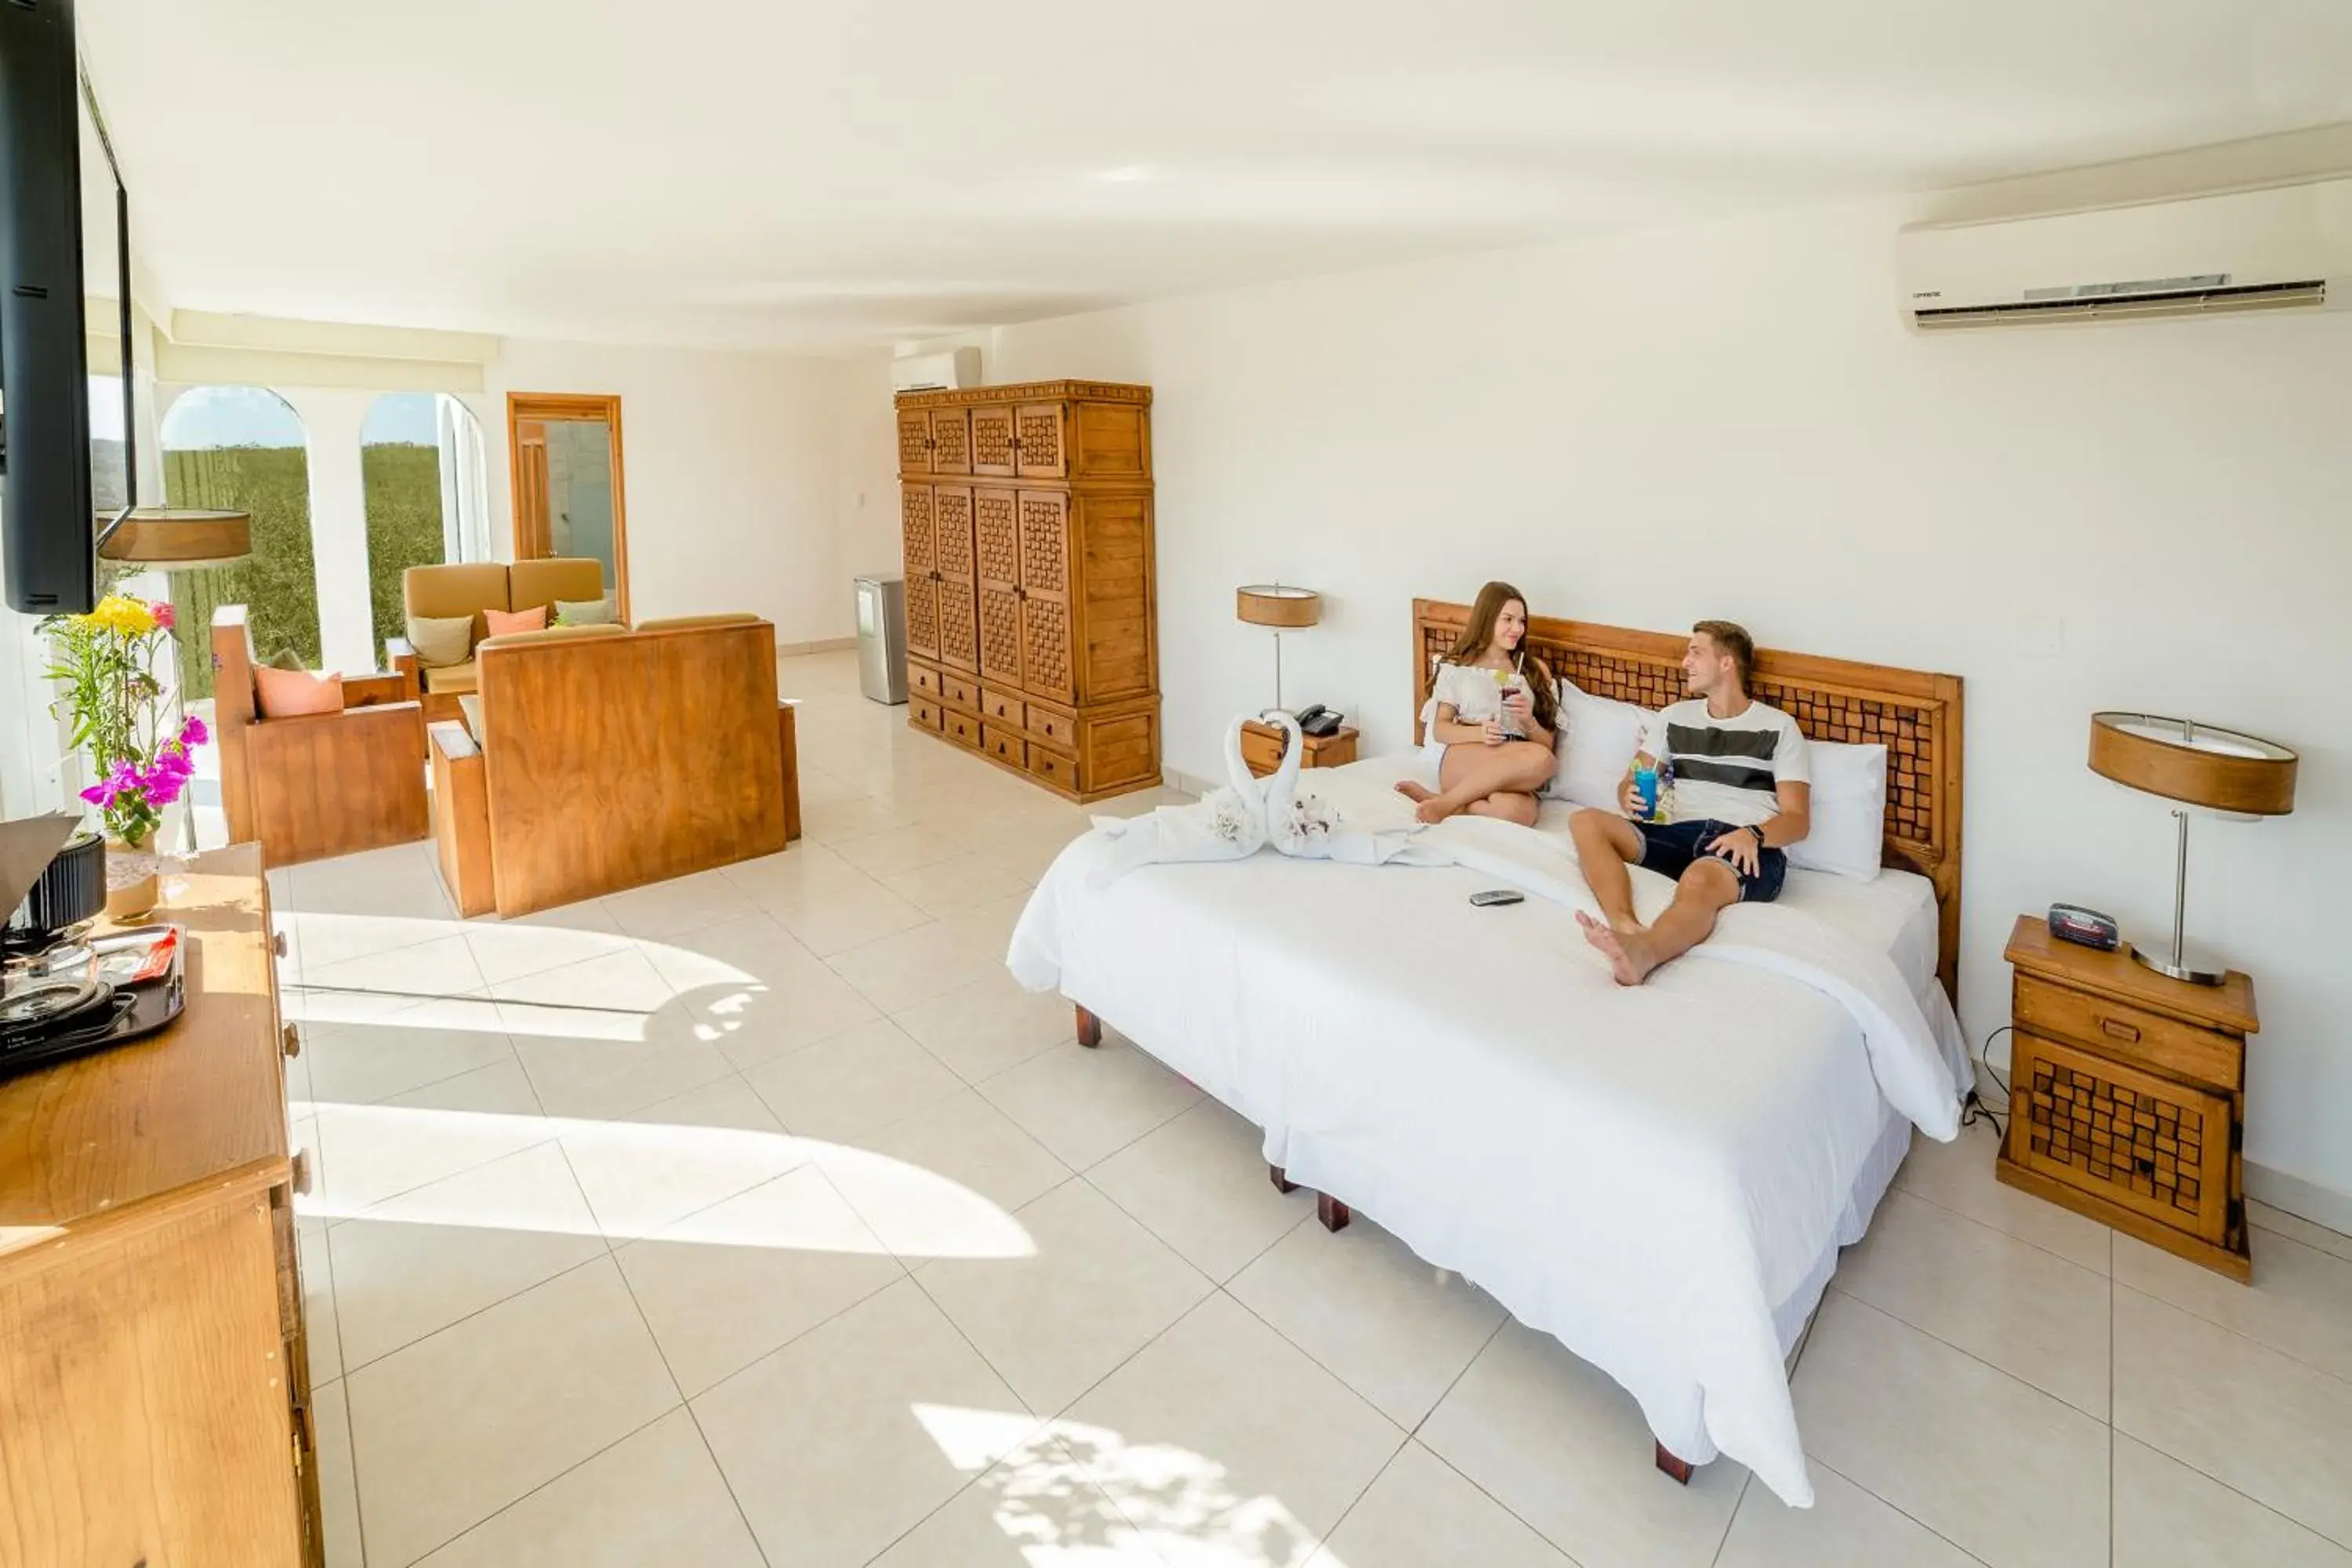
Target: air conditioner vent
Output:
[{"x": 2111, "y": 303}]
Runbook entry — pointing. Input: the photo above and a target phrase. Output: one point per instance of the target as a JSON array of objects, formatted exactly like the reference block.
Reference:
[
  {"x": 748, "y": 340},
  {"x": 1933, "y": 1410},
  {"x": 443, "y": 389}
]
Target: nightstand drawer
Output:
[
  {"x": 1262, "y": 750},
  {"x": 2154, "y": 1146},
  {"x": 2119, "y": 1029}
]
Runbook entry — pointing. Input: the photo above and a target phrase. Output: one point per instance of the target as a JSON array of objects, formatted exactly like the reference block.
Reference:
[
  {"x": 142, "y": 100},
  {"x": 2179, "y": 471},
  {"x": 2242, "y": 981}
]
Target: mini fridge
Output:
[{"x": 882, "y": 637}]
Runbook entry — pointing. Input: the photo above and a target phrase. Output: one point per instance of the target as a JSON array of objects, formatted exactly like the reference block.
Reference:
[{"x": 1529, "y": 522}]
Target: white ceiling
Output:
[{"x": 779, "y": 172}]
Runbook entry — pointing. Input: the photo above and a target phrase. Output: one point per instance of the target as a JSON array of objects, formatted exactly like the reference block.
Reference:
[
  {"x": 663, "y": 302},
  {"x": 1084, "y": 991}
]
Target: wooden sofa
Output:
[
  {"x": 323, "y": 784},
  {"x": 468, "y": 588},
  {"x": 587, "y": 763}
]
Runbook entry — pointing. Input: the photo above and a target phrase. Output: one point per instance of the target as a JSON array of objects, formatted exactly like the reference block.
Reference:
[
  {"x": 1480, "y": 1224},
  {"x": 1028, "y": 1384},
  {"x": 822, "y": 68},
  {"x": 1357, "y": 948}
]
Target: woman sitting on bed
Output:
[{"x": 1489, "y": 718}]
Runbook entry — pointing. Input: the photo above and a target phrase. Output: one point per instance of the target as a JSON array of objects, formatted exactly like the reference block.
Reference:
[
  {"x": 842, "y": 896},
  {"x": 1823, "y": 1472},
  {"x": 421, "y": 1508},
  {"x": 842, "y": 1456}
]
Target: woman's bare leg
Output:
[
  {"x": 1508, "y": 805},
  {"x": 1473, "y": 773}
]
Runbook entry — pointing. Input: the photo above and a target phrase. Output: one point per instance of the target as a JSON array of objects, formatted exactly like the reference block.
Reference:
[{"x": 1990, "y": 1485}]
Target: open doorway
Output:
[{"x": 566, "y": 452}]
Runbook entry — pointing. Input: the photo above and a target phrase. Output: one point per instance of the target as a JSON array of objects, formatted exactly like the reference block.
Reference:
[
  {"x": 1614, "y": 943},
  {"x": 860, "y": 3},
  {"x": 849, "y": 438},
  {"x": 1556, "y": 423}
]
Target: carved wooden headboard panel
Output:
[{"x": 1915, "y": 715}]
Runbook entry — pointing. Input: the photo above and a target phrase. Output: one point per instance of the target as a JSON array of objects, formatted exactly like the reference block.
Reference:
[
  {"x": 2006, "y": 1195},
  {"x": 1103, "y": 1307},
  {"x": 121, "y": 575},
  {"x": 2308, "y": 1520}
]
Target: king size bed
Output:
[{"x": 1660, "y": 1177}]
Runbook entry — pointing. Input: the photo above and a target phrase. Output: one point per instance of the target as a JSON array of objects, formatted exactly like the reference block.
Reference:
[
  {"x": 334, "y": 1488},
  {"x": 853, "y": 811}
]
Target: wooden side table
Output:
[
  {"x": 2128, "y": 1096},
  {"x": 1262, "y": 748}
]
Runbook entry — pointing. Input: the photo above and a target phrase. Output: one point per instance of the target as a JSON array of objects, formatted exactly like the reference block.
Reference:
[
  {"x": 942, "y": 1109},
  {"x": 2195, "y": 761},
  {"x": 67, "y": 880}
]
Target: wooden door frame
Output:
[{"x": 572, "y": 405}]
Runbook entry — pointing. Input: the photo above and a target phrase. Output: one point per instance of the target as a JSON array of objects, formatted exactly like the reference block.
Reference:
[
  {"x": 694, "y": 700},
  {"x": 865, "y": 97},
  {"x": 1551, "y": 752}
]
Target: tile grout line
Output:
[
  {"x": 2237, "y": 1333},
  {"x": 1731, "y": 1520},
  {"x": 2010, "y": 1234},
  {"x": 1893, "y": 1506},
  {"x": 2024, "y": 1383}
]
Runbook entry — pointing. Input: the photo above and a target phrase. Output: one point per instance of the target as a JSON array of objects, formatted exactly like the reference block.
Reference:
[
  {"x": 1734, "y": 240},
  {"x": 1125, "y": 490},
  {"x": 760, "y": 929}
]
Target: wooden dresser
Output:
[
  {"x": 154, "y": 1404},
  {"x": 2128, "y": 1096},
  {"x": 1032, "y": 618}
]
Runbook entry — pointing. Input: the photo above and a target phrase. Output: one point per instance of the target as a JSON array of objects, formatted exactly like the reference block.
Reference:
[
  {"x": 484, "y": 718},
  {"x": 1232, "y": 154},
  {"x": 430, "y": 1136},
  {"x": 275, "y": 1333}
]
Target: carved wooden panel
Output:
[
  {"x": 951, "y": 527},
  {"x": 914, "y": 441},
  {"x": 922, "y": 617},
  {"x": 2153, "y": 1145},
  {"x": 992, "y": 440},
  {"x": 1045, "y": 648},
  {"x": 1000, "y": 633},
  {"x": 996, "y": 534},
  {"x": 915, "y": 527},
  {"x": 1045, "y": 542},
  {"x": 1042, "y": 453},
  {"x": 951, "y": 441},
  {"x": 959, "y": 626}
]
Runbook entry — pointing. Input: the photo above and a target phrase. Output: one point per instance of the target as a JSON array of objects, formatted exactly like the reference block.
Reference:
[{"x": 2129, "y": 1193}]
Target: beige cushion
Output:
[
  {"x": 450, "y": 678},
  {"x": 467, "y": 588},
  {"x": 584, "y": 613},
  {"x": 469, "y": 708},
  {"x": 441, "y": 641},
  {"x": 679, "y": 623},
  {"x": 573, "y": 577}
]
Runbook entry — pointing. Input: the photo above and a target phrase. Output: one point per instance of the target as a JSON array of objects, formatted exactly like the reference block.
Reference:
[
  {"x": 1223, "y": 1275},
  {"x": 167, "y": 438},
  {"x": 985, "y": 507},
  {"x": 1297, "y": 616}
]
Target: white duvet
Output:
[{"x": 1647, "y": 1175}]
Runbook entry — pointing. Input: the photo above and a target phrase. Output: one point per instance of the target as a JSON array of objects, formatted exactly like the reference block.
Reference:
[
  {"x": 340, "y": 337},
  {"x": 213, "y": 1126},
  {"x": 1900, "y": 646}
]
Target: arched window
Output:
[
  {"x": 242, "y": 448},
  {"x": 416, "y": 450}
]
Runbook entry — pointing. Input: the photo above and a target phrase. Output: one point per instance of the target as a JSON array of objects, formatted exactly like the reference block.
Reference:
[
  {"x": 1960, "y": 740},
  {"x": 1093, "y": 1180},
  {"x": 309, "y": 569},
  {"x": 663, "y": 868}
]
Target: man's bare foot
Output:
[{"x": 1628, "y": 953}]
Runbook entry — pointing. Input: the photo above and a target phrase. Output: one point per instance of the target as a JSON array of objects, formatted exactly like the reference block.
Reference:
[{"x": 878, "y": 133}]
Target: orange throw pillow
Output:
[
  {"x": 290, "y": 693},
  {"x": 501, "y": 621}
]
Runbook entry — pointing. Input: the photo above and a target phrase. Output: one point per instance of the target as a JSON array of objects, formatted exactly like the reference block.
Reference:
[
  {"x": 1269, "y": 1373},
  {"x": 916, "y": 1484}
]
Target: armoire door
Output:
[
  {"x": 1042, "y": 453},
  {"x": 952, "y": 535},
  {"x": 1047, "y": 658},
  {"x": 922, "y": 568},
  {"x": 914, "y": 441},
  {"x": 996, "y": 538},
  {"x": 951, "y": 441},
  {"x": 993, "y": 451}
]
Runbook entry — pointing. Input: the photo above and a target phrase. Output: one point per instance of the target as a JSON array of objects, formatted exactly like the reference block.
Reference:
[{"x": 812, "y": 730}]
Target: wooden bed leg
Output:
[
  {"x": 1089, "y": 1029},
  {"x": 1679, "y": 1470},
  {"x": 1331, "y": 1211},
  {"x": 1282, "y": 1183}
]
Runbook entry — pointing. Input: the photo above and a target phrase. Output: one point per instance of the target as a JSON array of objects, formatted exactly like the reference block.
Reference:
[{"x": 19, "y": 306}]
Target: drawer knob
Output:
[
  {"x": 301, "y": 1163},
  {"x": 289, "y": 1040},
  {"x": 2116, "y": 1028},
  {"x": 278, "y": 943}
]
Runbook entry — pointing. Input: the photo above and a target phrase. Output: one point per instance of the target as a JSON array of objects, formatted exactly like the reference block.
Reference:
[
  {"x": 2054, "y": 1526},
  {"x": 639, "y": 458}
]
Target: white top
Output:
[
  {"x": 1476, "y": 693},
  {"x": 1729, "y": 770}
]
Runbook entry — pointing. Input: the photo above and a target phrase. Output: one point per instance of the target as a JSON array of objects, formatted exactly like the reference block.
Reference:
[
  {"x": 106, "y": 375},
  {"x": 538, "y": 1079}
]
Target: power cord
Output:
[{"x": 1977, "y": 1108}]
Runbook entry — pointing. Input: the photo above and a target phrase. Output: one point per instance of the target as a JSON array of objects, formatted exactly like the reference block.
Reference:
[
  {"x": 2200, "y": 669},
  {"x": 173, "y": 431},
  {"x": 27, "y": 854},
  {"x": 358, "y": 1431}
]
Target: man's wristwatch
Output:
[{"x": 1757, "y": 829}]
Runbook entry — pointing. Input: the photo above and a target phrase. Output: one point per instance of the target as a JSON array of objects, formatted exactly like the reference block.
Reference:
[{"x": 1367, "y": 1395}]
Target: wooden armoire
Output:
[{"x": 1032, "y": 620}]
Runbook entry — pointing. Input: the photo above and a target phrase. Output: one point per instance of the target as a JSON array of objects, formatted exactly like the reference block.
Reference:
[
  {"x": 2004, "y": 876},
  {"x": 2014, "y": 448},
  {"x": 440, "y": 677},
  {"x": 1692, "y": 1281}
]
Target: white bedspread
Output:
[{"x": 1646, "y": 1174}]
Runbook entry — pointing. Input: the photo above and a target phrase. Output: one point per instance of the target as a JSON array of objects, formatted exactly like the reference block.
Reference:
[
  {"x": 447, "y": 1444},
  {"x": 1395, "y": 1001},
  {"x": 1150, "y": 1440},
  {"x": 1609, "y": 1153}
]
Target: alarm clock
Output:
[{"x": 2088, "y": 928}]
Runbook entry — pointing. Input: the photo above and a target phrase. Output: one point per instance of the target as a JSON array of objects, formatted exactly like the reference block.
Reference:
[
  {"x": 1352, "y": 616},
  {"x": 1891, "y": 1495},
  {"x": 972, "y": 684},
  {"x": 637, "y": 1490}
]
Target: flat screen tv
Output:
[{"x": 67, "y": 430}]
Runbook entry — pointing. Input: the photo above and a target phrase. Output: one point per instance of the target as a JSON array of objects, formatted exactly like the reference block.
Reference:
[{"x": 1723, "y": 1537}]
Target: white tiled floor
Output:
[{"x": 758, "y": 1218}]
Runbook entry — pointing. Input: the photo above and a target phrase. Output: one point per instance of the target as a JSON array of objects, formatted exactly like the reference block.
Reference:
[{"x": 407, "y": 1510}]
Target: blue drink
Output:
[{"x": 1645, "y": 793}]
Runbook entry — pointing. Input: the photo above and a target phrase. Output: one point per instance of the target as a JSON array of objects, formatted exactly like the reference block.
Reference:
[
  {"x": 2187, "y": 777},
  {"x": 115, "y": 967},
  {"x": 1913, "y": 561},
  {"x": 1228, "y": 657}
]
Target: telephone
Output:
[{"x": 1320, "y": 721}]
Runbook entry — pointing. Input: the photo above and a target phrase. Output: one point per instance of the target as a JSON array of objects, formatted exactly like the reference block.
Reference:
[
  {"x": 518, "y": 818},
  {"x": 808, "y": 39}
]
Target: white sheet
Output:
[{"x": 1660, "y": 1178}]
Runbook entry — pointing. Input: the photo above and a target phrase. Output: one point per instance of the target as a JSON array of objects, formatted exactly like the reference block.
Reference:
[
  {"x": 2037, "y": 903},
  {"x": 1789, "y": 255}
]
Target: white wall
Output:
[
  {"x": 1731, "y": 421},
  {"x": 730, "y": 468}
]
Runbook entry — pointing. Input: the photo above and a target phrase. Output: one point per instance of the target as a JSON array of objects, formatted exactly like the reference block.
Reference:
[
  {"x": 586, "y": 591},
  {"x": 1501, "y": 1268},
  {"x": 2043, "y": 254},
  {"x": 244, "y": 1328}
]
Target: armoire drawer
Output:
[
  {"x": 922, "y": 679},
  {"x": 1004, "y": 744},
  {"x": 959, "y": 690},
  {"x": 961, "y": 728},
  {"x": 1055, "y": 769},
  {"x": 921, "y": 714},
  {"x": 1002, "y": 708},
  {"x": 1055, "y": 729}
]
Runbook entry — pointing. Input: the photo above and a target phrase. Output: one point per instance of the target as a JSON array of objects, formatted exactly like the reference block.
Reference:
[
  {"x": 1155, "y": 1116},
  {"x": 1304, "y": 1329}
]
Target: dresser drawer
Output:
[
  {"x": 959, "y": 690},
  {"x": 921, "y": 714},
  {"x": 961, "y": 727},
  {"x": 922, "y": 679},
  {"x": 1001, "y": 707},
  {"x": 1055, "y": 769},
  {"x": 1004, "y": 743},
  {"x": 1054, "y": 729},
  {"x": 2152, "y": 1145},
  {"x": 2118, "y": 1028}
]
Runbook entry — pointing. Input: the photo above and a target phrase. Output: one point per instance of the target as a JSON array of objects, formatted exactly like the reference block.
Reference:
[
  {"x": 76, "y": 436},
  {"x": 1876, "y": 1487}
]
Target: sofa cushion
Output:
[
  {"x": 465, "y": 588},
  {"x": 573, "y": 577},
  {"x": 441, "y": 641},
  {"x": 585, "y": 613},
  {"x": 505, "y": 623},
  {"x": 292, "y": 693},
  {"x": 552, "y": 633},
  {"x": 450, "y": 678}
]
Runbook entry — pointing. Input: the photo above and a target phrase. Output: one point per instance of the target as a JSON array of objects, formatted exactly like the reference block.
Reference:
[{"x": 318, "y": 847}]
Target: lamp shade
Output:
[
  {"x": 2198, "y": 764},
  {"x": 1273, "y": 605},
  {"x": 178, "y": 538}
]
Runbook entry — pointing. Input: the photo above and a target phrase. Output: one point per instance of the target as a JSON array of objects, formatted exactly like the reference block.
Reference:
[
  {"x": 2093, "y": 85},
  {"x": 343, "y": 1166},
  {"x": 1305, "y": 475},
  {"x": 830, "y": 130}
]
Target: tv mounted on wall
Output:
[{"x": 65, "y": 273}]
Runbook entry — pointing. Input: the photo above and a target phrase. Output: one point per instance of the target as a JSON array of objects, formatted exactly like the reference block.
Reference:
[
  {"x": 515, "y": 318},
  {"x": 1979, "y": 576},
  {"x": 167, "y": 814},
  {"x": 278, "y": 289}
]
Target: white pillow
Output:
[
  {"x": 1849, "y": 826},
  {"x": 1597, "y": 739}
]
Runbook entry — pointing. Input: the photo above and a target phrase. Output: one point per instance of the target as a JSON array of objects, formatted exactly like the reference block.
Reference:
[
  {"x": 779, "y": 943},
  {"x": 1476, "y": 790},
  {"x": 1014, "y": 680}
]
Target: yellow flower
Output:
[{"x": 127, "y": 616}]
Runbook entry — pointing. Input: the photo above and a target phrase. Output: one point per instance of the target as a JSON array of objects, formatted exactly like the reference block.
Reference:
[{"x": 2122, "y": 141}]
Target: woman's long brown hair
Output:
[{"x": 1476, "y": 637}]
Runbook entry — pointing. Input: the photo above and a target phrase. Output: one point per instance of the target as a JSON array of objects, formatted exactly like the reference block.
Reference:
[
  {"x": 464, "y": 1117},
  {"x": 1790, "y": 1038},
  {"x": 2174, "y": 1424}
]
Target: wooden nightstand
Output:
[
  {"x": 2128, "y": 1096},
  {"x": 1262, "y": 748}
]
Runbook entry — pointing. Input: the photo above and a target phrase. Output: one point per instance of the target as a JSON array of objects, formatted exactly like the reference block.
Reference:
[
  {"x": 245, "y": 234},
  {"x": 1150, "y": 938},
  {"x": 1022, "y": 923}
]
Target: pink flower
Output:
[
  {"x": 193, "y": 732},
  {"x": 164, "y": 614}
]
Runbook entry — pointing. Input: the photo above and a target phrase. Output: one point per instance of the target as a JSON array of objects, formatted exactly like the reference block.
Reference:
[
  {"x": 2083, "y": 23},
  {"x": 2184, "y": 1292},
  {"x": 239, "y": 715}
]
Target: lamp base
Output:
[{"x": 2195, "y": 967}]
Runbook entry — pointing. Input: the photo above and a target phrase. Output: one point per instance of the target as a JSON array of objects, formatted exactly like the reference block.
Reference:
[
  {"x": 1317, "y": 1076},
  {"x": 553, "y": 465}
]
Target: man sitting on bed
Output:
[{"x": 1741, "y": 792}]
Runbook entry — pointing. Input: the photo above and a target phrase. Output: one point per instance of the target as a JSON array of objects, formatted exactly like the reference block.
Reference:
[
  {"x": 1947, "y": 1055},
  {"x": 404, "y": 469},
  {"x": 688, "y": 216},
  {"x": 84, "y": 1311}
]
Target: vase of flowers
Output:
[{"x": 107, "y": 660}]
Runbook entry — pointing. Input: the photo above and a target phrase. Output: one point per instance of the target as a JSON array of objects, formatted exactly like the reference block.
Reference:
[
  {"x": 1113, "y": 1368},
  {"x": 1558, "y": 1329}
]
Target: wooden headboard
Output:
[{"x": 1915, "y": 715}]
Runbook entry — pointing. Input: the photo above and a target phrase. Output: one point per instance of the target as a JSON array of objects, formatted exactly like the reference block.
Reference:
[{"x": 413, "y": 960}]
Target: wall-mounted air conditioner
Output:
[
  {"x": 2278, "y": 248},
  {"x": 936, "y": 373}
]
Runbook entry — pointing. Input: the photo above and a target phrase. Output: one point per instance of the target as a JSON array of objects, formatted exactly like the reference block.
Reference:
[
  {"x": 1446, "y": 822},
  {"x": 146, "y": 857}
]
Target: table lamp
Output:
[
  {"x": 2235, "y": 776},
  {"x": 1282, "y": 609}
]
